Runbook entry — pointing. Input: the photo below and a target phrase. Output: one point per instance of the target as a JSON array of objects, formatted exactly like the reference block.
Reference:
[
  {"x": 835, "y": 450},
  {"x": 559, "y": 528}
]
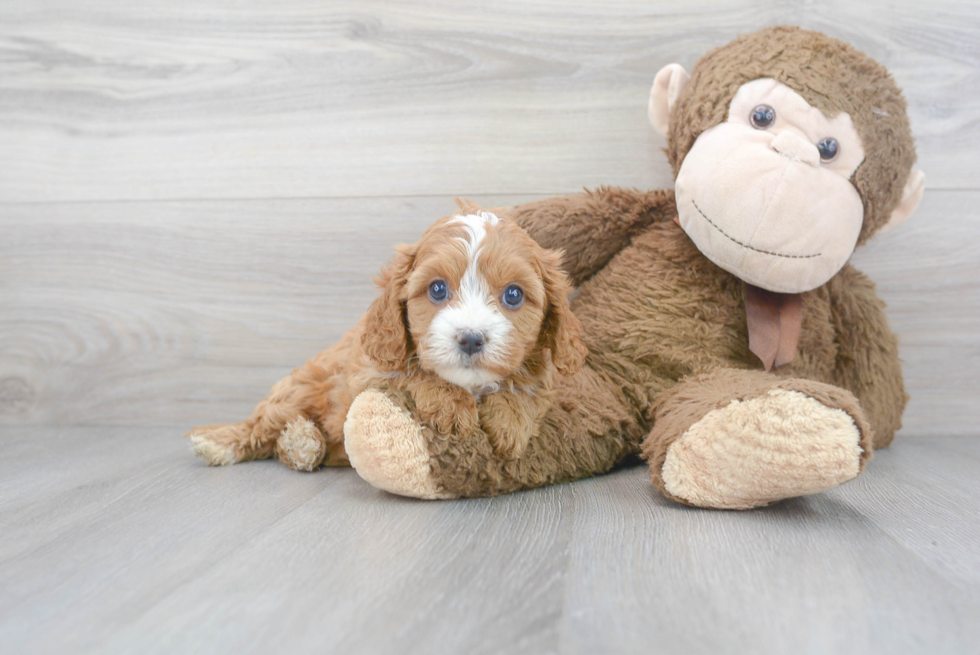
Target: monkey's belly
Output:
[{"x": 660, "y": 309}]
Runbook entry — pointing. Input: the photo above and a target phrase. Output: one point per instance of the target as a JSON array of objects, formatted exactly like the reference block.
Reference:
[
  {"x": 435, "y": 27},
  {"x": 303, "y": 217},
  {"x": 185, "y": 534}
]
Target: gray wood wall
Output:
[{"x": 195, "y": 195}]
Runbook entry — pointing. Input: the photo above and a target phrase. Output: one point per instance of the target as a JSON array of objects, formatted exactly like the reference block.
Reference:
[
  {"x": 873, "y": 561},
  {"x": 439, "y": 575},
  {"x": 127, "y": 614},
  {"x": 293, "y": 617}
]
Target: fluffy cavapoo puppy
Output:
[{"x": 471, "y": 323}]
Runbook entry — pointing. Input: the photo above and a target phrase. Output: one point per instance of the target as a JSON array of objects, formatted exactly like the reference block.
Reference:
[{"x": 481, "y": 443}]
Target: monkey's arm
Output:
[
  {"x": 867, "y": 358},
  {"x": 592, "y": 227}
]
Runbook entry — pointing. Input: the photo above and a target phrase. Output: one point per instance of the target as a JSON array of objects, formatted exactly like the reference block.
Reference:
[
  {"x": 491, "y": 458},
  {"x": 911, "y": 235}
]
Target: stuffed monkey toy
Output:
[{"x": 731, "y": 345}]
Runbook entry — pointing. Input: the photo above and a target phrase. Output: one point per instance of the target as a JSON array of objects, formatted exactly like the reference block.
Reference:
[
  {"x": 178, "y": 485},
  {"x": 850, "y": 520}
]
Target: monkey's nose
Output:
[
  {"x": 789, "y": 144},
  {"x": 470, "y": 342}
]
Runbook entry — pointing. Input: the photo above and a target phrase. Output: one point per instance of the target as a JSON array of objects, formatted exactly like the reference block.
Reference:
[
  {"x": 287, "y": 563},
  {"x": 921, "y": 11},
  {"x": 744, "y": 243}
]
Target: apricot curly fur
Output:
[{"x": 381, "y": 349}]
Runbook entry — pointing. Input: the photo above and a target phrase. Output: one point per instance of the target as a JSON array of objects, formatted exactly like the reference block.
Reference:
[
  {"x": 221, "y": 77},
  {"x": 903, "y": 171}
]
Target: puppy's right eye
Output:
[
  {"x": 438, "y": 291},
  {"x": 513, "y": 296}
]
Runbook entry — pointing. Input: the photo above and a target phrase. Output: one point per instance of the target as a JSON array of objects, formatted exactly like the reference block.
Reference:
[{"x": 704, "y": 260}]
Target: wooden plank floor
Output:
[
  {"x": 116, "y": 540},
  {"x": 194, "y": 197}
]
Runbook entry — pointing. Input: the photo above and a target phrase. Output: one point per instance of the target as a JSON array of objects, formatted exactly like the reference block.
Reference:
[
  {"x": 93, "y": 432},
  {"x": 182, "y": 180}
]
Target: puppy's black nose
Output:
[{"x": 470, "y": 342}]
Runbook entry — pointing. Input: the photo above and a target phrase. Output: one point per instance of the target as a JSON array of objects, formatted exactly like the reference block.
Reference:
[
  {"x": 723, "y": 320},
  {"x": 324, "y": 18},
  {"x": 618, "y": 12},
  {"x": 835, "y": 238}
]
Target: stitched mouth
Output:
[{"x": 747, "y": 246}]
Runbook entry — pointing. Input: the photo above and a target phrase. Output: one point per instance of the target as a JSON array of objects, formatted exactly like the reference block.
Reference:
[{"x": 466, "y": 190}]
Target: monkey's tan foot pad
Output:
[
  {"x": 754, "y": 452},
  {"x": 218, "y": 445},
  {"x": 301, "y": 445},
  {"x": 387, "y": 447}
]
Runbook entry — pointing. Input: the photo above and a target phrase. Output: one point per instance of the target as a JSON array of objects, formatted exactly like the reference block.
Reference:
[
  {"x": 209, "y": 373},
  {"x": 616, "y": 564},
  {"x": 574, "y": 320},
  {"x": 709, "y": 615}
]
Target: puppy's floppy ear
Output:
[
  {"x": 560, "y": 330},
  {"x": 468, "y": 206},
  {"x": 385, "y": 339}
]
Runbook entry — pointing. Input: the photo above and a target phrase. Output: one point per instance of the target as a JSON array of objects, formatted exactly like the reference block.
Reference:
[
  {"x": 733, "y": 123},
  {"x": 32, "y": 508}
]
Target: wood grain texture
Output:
[
  {"x": 161, "y": 99},
  {"x": 146, "y": 302},
  {"x": 194, "y": 198},
  {"x": 187, "y": 312},
  {"x": 116, "y": 540}
]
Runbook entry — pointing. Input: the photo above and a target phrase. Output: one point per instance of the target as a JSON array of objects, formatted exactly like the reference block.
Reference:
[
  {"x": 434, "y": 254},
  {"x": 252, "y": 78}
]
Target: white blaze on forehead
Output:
[
  {"x": 476, "y": 231},
  {"x": 471, "y": 287},
  {"x": 474, "y": 310}
]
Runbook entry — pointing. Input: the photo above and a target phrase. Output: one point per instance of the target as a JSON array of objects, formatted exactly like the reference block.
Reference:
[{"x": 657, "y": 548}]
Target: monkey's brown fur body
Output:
[
  {"x": 670, "y": 375},
  {"x": 668, "y": 343}
]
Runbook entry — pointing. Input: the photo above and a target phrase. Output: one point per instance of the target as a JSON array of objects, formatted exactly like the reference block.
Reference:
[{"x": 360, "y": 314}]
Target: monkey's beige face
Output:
[
  {"x": 475, "y": 299},
  {"x": 767, "y": 195}
]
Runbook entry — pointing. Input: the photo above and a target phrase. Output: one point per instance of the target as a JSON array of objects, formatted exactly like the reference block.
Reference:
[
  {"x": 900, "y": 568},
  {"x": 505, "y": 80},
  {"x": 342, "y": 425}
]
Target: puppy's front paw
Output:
[
  {"x": 509, "y": 439},
  {"x": 450, "y": 410},
  {"x": 510, "y": 420},
  {"x": 466, "y": 417},
  {"x": 387, "y": 447}
]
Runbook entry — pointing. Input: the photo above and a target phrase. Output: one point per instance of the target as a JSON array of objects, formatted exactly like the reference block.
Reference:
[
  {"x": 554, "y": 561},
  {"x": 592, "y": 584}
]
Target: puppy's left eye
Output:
[
  {"x": 438, "y": 291},
  {"x": 513, "y": 296}
]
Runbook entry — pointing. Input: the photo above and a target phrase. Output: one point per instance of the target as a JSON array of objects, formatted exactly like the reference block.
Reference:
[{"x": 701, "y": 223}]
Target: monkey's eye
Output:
[
  {"x": 513, "y": 296},
  {"x": 438, "y": 291},
  {"x": 828, "y": 149},
  {"x": 762, "y": 117}
]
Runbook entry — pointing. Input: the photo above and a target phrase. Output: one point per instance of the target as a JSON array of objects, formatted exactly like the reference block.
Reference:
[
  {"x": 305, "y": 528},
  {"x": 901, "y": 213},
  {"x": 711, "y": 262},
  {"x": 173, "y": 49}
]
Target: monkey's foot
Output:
[
  {"x": 301, "y": 445},
  {"x": 387, "y": 447},
  {"x": 753, "y": 452}
]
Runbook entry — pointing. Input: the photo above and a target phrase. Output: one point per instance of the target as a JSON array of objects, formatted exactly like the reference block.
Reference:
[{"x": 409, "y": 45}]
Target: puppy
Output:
[{"x": 471, "y": 322}]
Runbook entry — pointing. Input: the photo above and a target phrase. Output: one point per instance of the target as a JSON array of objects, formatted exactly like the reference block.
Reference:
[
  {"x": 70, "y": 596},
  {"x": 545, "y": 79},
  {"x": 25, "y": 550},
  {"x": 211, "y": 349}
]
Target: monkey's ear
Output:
[
  {"x": 911, "y": 196},
  {"x": 667, "y": 87}
]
